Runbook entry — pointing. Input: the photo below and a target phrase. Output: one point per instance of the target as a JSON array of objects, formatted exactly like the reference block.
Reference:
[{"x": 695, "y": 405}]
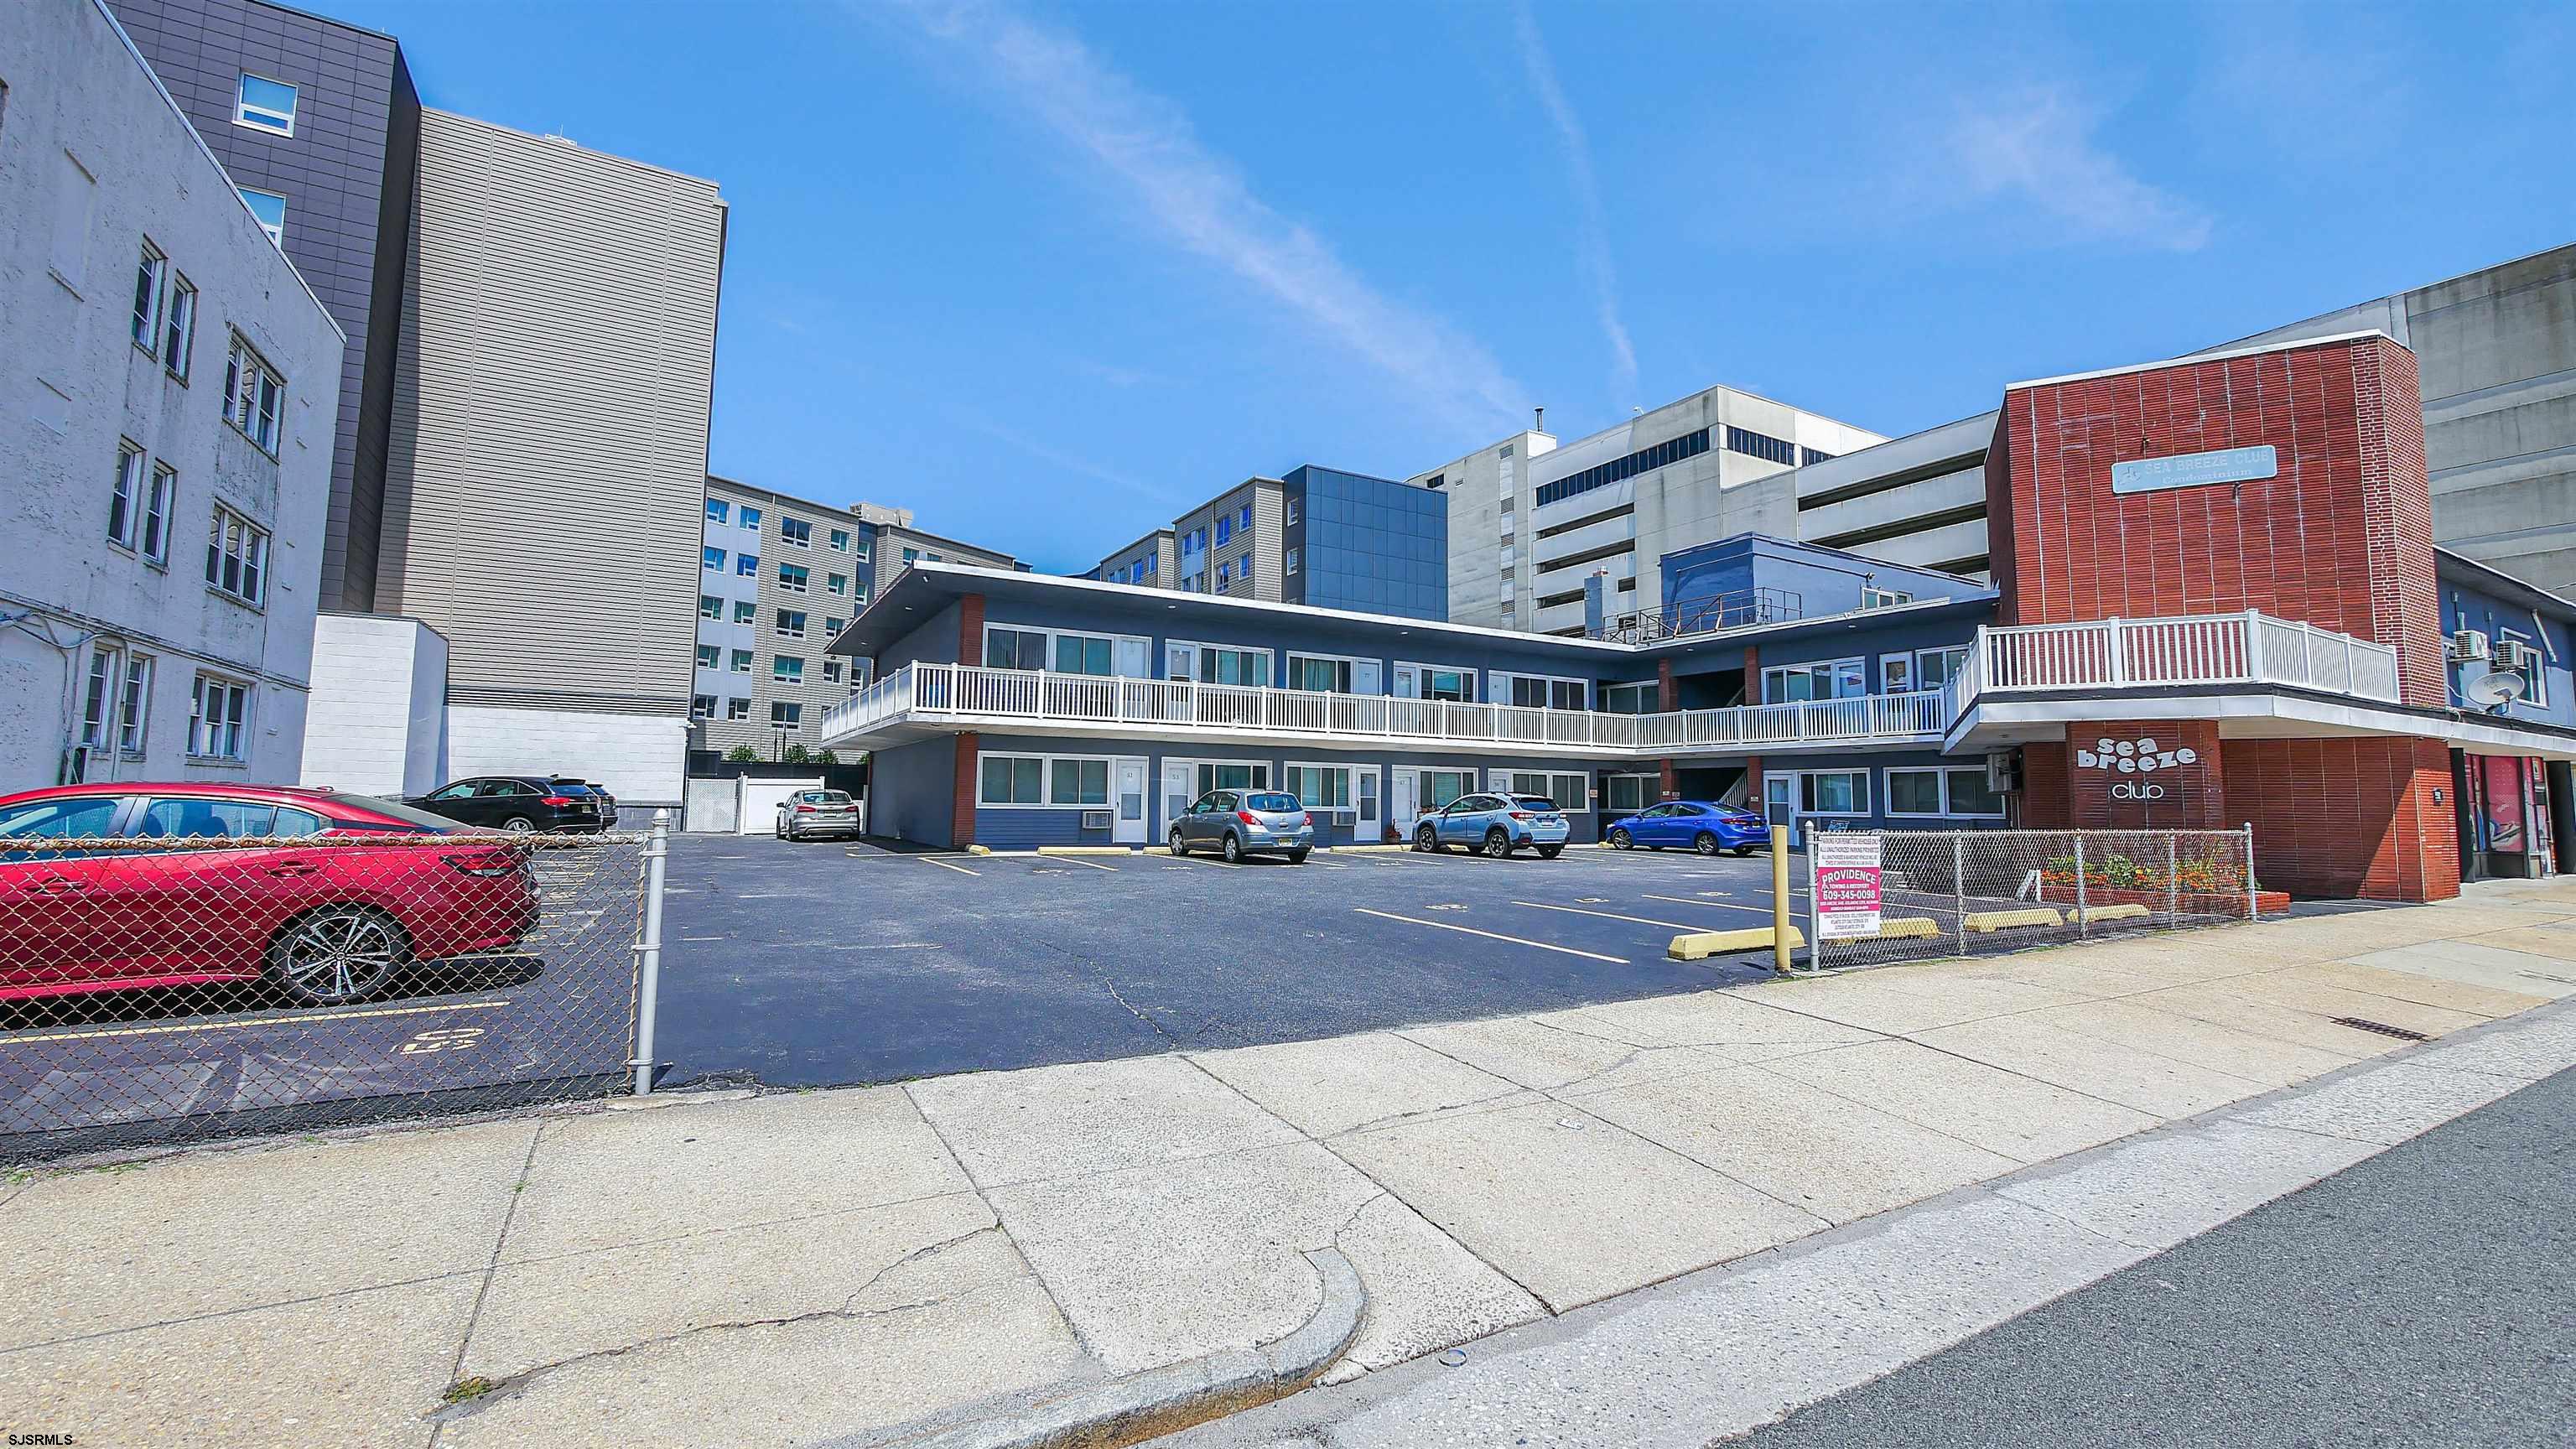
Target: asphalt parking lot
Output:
[{"x": 824, "y": 963}]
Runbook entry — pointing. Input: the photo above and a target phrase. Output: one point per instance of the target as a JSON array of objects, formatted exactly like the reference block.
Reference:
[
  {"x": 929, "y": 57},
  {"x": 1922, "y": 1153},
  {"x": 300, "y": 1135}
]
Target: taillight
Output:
[
  {"x": 804, "y": 809},
  {"x": 1520, "y": 814},
  {"x": 1307, "y": 819},
  {"x": 485, "y": 862},
  {"x": 559, "y": 801},
  {"x": 1246, "y": 817}
]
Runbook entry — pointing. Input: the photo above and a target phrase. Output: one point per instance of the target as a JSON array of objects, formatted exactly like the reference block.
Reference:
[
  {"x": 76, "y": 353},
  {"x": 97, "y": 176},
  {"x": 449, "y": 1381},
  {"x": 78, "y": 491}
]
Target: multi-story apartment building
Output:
[
  {"x": 172, "y": 386},
  {"x": 1318, "y": 536},
  {"x": 1531, "y": 518},
  {"x": 779, "y": 578},
  {"x": 319, "y": 125}
]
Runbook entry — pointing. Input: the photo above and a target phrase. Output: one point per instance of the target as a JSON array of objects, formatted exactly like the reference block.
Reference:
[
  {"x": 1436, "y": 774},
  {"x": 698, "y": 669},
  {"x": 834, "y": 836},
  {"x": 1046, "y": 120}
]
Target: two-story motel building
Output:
[{"x": 2227, "y": 556}]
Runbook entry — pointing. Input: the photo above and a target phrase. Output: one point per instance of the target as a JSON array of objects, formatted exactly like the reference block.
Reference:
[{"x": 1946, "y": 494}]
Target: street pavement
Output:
[
  {"x": 2422, "y": 1297},
  {"x": 838, "y": 1265}
]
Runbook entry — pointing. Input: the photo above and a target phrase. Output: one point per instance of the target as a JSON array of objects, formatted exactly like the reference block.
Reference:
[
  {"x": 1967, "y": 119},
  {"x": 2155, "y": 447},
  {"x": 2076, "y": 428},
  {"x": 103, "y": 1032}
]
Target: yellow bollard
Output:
[{"x": 1781, "y": 934}]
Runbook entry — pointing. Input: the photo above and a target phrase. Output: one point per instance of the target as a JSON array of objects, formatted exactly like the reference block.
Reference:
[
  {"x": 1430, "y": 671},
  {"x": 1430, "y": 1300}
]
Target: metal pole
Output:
[
  {"x": 1815, "y": 928},
  {"x": 2253, "y": 898},
  {"x": 657, "y": 847},
  {"x": 1780, "y": 900},
  {"x": 2173, "y": 877},
  {"x": 2083, "y": 917},
  {"x": 1959, "y": 886}
]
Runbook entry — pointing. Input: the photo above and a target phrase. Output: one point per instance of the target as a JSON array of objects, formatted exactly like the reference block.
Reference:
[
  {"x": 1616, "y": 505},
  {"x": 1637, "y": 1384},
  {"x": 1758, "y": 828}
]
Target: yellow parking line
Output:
[
  {"x": 298, "y": 1020},
  {"x": 943, "y": 865},
  {"x": 1492, "y": 936},
  {"x": 1605, "y": 915}
]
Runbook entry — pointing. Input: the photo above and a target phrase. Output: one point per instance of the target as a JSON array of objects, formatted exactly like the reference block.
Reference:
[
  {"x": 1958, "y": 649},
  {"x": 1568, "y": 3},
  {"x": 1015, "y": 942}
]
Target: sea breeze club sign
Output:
[
  {"x": 2140, "y": 759},
  {"x": 1846, "y": 884},
  {"x": 2191, "y": 470}
]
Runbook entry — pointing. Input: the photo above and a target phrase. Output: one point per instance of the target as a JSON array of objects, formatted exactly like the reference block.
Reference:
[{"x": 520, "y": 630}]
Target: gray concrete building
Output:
[
  {"x": 319, "y": 125},
  {"x": 171, "y": 387},
  {"x": 1531, "y": 518}
]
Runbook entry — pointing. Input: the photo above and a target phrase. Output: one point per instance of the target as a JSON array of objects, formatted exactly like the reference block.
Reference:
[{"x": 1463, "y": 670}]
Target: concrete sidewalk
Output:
[{"x": 872, "y": 1264}]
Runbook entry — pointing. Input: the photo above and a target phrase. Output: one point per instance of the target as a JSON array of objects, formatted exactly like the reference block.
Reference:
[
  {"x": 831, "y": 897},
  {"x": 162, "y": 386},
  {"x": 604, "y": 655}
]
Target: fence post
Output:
[
  {"x": 2173, "y": 877},
  {"x": 1959, "y": 886},
  {"x": 657, "y": 847},
  {"x": 1815, "y": 928},
  {"x": 2253, "y": 897},
  {"x": 2083, "y": 915},
  {"x": 2119, "y": 652}
]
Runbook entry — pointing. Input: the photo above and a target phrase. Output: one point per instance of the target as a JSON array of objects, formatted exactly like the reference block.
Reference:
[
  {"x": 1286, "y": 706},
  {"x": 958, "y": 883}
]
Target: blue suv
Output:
[
  {"x": 1697, "y": 824},
  {"x": 1496, "y": 825}
]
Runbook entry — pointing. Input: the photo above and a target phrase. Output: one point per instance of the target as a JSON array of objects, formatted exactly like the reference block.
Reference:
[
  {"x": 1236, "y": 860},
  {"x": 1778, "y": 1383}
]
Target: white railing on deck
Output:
[
  {"x": 955, "y": 690},
  {"x": 2199, "y": 649}
]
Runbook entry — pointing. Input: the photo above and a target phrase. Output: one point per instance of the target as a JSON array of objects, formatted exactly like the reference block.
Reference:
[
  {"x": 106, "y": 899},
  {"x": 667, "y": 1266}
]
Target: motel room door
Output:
[
  {"x": 1405, "y": 805},
  {"x": 1176, "y": 793},
  {"x": 1127, "y": 798}
]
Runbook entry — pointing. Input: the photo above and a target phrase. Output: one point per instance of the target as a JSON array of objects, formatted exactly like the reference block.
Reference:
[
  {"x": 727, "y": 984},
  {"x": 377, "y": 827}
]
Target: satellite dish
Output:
[{"x": 2495, "y": 688}]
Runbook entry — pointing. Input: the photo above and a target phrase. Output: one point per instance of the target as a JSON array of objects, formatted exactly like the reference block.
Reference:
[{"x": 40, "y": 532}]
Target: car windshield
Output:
[
  {"x": 393, "y": 809},
  {"x": 1272, "y": 803},
  {"x": 1534, "y": 802}
]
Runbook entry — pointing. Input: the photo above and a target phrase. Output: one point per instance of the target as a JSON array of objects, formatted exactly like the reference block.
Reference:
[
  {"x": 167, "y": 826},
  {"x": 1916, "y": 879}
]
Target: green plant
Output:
[
  {"x": 792, "y": 755},
  {"x": 826, "y": 757},
  {"x": 741, "y": 755}
]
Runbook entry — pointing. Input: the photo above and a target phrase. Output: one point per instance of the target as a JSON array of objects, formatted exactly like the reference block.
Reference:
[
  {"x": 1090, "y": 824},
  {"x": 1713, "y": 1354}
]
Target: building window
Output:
[
  {"x": 746, "y": 565},
  {"x": 1539, "y": 691},
  {"x": 254, "y": 396},
  {"x": 737, "y": 709},
  {"x": 832, "y": 671},
  {"x": 1013, "y": 780},
  {"x": 840, "y": 540},
  {"x": 179, "y": 327},
  {"x": 1035, "y": 780},
  {"x": 218, "y": 718},
  {"x": 98, "y": 697},
  {"x": 1065, "y": 652},
  {"x": 710, "y": 607},
  {"x": 715, "y": 558},
  {"x": 1644, "y": 460},
  {"x": 1292, "y": 510},
  {"x": 1321, "y": 787},
  {"x": 1224, "y": 577},
  {"x": 750, "y": 517},
  {"x": 125, "y": 500},
  {"x": 836, "y": 584},
  {"x": 791, "y": 578},
  {"x": 137, "y": 711},
  {"x": 1292, "y": 562},
  {"x": 1628, "y": 794},
  {"x": 745, "y": 611},
  {"x": 791, "y": 623},
  {"x": 157, "y": 506},
  {"x": 1826, "y": 679},
  {"x": 1813, "y": 455},
  {"x": 1761, "y": 445},
  {"x": 1234, "y": 666},
  {"x": 149, "y": 274},
  {"x": 1645, "y": 698},
  {"x": 1971, "y": 796},
  {"x": 1945, "y": 791},
  {"x": 1914, "y": 793},
  {"x": 237, "y": 558},
  {"x": 1078, "y": 782},
  {"x": 797, "y": 532},
  {"x": 1895, "y": 676},
  {"x": 1824, "y": 792},
  {"x": 1243, "y": 521},
  {"x": 1324, "y": 674},
  {"x": 1872, "y": 597},
  {"x": 832, "y": 627},
  {"x": 702, "y": 706},
  {"x": 786, "y": 714},
  {"x": 742, "y": 661},
  {"x": 1567, "y": 791},
  {"x": 861, "y": 551},
  {"x": 1243, "y": 569},
  {"x": 710, "y": 656},
  {"x": 270, "y": 209},
  {"x": 1443, "y": 788},
  {"x": 1224, "y": 529},
  {"x": 787, "y": 669},
  {"x": 265, "y": 105},
  {"x": 719, "y": 511}
]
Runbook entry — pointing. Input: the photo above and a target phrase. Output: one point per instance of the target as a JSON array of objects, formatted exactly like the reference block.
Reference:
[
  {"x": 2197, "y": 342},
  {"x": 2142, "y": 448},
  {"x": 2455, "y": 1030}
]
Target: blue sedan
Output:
[{"x": 1696, "y": 824}]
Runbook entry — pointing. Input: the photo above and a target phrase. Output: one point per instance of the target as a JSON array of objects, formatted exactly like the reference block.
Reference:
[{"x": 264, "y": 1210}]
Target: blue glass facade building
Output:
[{"x": 1370, "y": 545}]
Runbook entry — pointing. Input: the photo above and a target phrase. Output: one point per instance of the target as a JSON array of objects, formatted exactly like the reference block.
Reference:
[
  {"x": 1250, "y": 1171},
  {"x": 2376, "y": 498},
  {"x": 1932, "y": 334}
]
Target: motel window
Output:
[
  {"x": 1014, "y": 648},
  {"x": 1643, "y": 698},
  {"x": 1569, "y": 791},
  {"x": 1877, "y": 598},
  {"x": 1217, "y": 775},
  {"x": 1538, "y": 691},
  {"x": 1971, "y": 796},
  {"x": 1234, "y": 666},
  {"x": 1833, "y": 792},
  {"x": 1443, "y": 788},
  {"x": 1914, "y": 792},
  {"x": 1013, "y": 780},
  {"x": 1627, "y": 794},
  {"x": 1321, "y": 787},
  {"x": 1320, "y": 674},
  {"x": 1934, "y": 668},
  {"x": 1078, "y": 782},
  {"x": 1944, "y": 791},
  {"x": 1826, "y": 679},
  {"x": 719, "y": 511},
  {"x": 264, "y": 105},
  {"x": 1084, "y": 654}
]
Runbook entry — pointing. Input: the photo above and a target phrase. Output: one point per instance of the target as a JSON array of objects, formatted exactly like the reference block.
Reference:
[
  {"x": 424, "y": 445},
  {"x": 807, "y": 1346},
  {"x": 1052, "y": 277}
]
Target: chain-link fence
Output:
[
  {"x": 1959, "y": 893},
  {"x": 156, "y": 990}
]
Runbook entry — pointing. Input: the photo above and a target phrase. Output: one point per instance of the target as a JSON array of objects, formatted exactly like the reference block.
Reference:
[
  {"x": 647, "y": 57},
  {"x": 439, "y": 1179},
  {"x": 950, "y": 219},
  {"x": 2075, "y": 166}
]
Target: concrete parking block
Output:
[
  {"x": 619, "y": 1178},
  {"x": 2386, "y": 1106},
  {"x": 2440, "y": 991},
  {"x": 2160, "y": 1189},
  {"x": 1834, "y": 1158},
  {"x": 1331, "y": 1086},
  {"x": 2266, "y": 1060},
  {"x": 166, "y": 1240},
  {"x": 355, "y": 1370},
  {"x": 553, "y": 1309},
  {"x": 2023, "y": 1119},
  {"x": 1570, "y": 1206},
  {"x": 2163, "y": 1086},
  {"x": 786, "y": 1383},
  {"x": 2503, "y": 960},
  {"x": 1159, "y": 1264},
  {"x": 1092, "y": 1117}
]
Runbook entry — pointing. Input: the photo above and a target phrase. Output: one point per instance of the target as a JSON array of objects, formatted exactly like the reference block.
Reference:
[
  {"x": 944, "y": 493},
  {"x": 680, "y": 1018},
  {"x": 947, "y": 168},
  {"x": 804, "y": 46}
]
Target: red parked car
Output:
[{"x": 168, "y": 904}]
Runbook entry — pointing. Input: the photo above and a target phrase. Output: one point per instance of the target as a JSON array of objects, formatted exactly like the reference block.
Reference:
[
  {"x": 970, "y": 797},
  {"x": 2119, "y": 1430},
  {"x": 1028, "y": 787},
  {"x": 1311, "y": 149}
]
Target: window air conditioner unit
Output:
[
  {"x": 1095, "y": 819},
  {"x": 2468, "y": 644}
]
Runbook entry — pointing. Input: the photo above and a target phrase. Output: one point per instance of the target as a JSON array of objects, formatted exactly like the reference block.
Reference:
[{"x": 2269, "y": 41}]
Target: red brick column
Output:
[
  {"x": 1668, "y": 692},
  {"x": 961, "y": 808},
  {"x": 1753, "y": 783},
  {"x": 1672, "y": 788},
  {"x": 970, "y": 629}
]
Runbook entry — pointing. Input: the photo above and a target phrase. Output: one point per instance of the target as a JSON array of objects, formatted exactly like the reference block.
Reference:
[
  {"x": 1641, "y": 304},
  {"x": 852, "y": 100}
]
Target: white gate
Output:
[{"x": 756, "y": 802}]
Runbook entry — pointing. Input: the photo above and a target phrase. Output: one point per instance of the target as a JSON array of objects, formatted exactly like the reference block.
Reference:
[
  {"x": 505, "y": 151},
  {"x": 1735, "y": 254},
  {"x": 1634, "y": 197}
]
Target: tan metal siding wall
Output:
[
  {"x": 1269, "y": 539},
  {"x": 550, "y": 432}
]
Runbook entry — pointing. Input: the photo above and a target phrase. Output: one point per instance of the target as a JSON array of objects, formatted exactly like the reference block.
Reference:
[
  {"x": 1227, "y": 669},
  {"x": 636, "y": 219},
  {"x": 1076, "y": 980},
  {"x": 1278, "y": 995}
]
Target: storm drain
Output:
[{"x": 2381, "y": 1027}]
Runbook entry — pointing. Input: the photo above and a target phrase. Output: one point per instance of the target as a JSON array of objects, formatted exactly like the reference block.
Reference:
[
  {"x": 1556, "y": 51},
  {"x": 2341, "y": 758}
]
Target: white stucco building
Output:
[{"x": 170, "y": 387}]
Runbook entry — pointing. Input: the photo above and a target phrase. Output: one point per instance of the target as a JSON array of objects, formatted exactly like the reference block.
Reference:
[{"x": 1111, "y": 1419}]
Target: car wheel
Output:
[
  {"x": 1427, "y": 839},
  {"x": 338, "y": 954},
  {"x": 1705, "y": 843},
  {"x": 1231, "y": 848},
  {"x": 1550, "y": 852},
  {"x": 1179, "y": 846},
  {"x": 1622, "y": 840},
  {"x": 1498, "y": 843},
  {"x": 1296, "y": 857},
  {"x": 519, "y": 825}
]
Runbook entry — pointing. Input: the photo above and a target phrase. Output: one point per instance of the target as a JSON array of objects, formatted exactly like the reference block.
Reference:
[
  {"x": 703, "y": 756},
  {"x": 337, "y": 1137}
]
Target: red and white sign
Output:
[{"x": 1847, "y": 884}]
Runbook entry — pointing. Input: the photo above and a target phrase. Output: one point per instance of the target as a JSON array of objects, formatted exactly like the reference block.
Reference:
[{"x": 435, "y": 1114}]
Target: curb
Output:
[
  {"x": 1166, "y": 1400},
  {"x": 1088, "y": 850}
]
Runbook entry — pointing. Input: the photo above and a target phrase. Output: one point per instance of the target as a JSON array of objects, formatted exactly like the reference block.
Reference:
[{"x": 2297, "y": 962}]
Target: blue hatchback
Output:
[{"x": 1695, "y": 824}]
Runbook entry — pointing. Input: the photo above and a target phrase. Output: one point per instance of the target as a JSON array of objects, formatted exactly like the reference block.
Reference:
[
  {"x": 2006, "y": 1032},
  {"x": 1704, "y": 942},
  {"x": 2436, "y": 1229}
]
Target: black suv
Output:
[{"x": 517, "y": 803}]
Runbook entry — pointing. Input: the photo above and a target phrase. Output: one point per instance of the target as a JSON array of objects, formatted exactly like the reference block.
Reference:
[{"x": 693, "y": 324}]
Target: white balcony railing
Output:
[
  {"x": 970, "y": 692},
  {"x": 2199, "y": 649}
]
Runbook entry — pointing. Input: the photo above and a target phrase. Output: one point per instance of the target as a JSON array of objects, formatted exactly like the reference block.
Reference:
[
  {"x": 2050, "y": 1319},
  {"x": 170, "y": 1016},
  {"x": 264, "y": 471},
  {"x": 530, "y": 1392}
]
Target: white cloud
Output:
[
  {"x": 1593, "y": 233},
  {"x": 1198, "y": 200},
  {"x": 2038, "y": 148}
]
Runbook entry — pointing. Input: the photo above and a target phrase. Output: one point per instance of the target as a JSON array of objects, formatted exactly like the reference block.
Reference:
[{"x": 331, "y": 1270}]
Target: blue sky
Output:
[{"x": 1048, "y": 274}]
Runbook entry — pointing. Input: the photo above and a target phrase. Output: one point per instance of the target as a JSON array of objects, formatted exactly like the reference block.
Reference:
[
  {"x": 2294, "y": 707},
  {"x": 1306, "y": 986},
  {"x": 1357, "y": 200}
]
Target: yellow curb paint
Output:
[
  {"x": 2129, "y": 912},
  {"x": 979, "y": 850},
  {"x": 1991, "y": 921},
  {"x": 1900, "y": 928},
  {"x": 1700, "y": 945}
]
